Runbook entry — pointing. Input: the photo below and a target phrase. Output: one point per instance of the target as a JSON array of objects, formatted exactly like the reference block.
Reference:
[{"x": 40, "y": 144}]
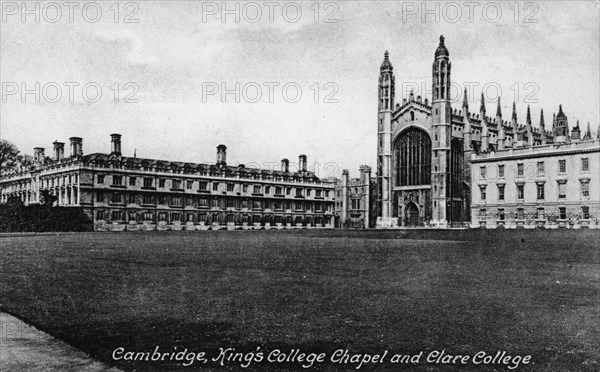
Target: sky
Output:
[{"x": 273, "y": 80}]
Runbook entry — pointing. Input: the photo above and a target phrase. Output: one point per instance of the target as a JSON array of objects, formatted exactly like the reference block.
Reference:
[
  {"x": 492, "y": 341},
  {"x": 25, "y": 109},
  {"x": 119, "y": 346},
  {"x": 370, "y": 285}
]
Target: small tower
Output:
[
  {"x": 485, "y": 133},
  {"x": 467, "y": 138},
  {"x": 529, "y": 128},
  {"x": 365, "y": 174},
  {"x": 482, "y": 107},
  {"x": 576, "y": 132},
  {"x": 442, "y": 132},
  {"x": 365, "y": 180},
  {"x": 501, "y": 135},
  {"x": 513, "y": 122},
  {"x": 542, "y": 128},
  {"x": 561, "y": 129},
  {"x": 588, "y": 133},
  {"x": 499, "y": 109},
  {"x": 384, "y": 140},
  {"x": 345, "y": 181}
]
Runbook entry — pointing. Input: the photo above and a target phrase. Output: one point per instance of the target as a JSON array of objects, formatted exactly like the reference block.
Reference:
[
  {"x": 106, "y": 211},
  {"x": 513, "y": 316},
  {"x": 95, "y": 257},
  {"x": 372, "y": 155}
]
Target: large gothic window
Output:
[
  {"x": 455, "y": 187},
  {"x": 413, "y": 158}
]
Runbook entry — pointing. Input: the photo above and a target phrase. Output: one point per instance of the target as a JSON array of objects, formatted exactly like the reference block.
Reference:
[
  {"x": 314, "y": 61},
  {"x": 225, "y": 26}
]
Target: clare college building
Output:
[
  {"x": 442, "y": 167},
  {"x": 129, "y": 193}
]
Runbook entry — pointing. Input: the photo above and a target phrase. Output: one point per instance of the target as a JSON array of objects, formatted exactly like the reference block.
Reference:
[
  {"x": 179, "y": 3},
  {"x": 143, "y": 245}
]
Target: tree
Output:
[
  {"x": 8, "y": 154},
  {"x": 47, "y": 199},
  {"x": 24, "y": 161}
]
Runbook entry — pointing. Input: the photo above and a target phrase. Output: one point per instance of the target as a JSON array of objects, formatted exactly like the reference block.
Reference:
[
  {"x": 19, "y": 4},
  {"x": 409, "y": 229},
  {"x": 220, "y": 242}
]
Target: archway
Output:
[{"x": 411, "y": 214}]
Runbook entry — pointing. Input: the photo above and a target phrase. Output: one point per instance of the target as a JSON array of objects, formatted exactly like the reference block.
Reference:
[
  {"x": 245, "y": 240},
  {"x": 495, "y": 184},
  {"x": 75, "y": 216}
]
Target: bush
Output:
[{"x": 16, "y": 217}]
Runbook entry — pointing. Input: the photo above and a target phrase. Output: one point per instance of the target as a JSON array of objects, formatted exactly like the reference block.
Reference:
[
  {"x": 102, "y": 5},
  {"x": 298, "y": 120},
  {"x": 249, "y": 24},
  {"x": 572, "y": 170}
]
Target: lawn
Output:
[{"x": 531, "y": 293}]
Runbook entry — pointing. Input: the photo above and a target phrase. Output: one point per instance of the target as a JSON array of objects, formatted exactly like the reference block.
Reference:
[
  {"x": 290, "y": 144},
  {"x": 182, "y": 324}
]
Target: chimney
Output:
[
  {"x": 285, "y": 165},
  {"x": 38, "y": 155},
  {"x": 115, "y": 142},
  {"x": 76, "y": 146},
  {"x": 302, "y": 163},
  {"x": 59, "y": 150},
  {"x": 222, "y": 155}
]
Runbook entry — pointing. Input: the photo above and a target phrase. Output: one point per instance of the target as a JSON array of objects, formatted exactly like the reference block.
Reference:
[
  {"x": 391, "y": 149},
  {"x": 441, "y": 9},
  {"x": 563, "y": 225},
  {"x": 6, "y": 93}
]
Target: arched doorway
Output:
[{"x": 411, "y": 214}]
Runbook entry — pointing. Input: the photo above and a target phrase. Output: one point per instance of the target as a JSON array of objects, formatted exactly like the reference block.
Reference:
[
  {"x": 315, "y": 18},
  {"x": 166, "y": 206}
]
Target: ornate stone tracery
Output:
[{"x": 413, "y": 158}]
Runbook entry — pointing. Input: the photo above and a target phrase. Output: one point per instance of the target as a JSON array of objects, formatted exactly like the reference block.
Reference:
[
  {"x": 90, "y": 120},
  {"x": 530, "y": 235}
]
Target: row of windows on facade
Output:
[
  {"x": 541, "y": 190},
  {"x": 118, "y": 181},
  {"x": 51, "y": 181},
  {"x": 195, "y": 172},
  {"x": 201, "y": 218},
  {"x": 148, "y": 182},
  {"x": 178, "y": 201},
  {"x": 539, "y": 215},
  {"x": 539, "y": 168},
  {"x": 354, "y": 204},
  {"x": 65, "y": 197},
  {"x": 66, "y": 180},
  {"x": 356, "y": 191}
]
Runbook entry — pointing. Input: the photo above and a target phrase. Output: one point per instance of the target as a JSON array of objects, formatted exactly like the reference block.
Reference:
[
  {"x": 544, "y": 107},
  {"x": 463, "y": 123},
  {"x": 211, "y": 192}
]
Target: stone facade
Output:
[
  {"x": 129, "y": 193},
  {"x": 426, "y": 150},
  {"x": 550, "y": 186},
  {"x": 355, "y": 200}
]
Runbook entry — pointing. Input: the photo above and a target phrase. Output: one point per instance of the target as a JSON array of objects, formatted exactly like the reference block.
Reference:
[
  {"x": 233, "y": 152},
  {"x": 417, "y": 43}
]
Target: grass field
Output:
[{"x": 526, "y": 292}]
